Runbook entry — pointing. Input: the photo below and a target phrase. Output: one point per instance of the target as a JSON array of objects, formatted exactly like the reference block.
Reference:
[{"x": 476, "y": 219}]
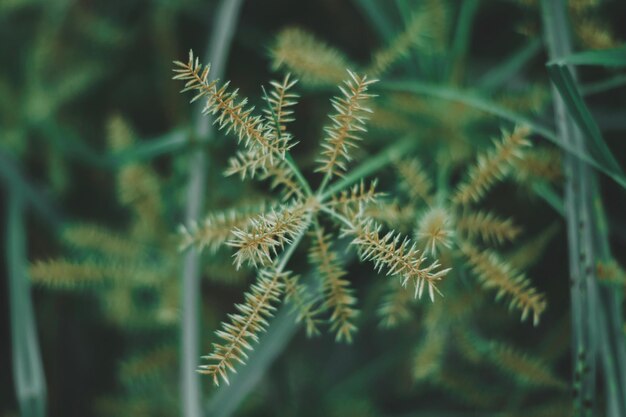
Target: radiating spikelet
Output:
[
  {"x": 434, "y": 228},
  {"x": 395, "y": 307},
  {"x": 101, "y": 240},
  {"x": 429, "y": 355},
  {"x": 119, "y": 134},
  {"x": 338, "y": 296},
  {"x": 487, "y": 226},
  {"x": 398, "y": 255},
  {"x": 304, "y": 305},
  {"x": 216, "y": 228},
  {"x": 494, "y": 273},
  {"x": 61, "y": 273},
  {"x": 282, "y": 177},
  {"x": 279, "y": 103},
  {"x": 230, "y": 112},
  {"x": 392, "y": 214},
  {"x": 147, "y": 365},
  {"x": 356, "y": 198},
  {"x": 492, "y": 166},
  {"x": 348, "y": 123},
  {"x": 414, "y": 180},
  {"x": 245, "y": 325},
  {"x": 543, "y": 163},
  {"x": 594, "y": 35},
  {"x": 139, "y": 188},
  {"x": 414, "y": 35},
  {"x": 526, "y": 370},
  {"x": 313, "y": 62},
  {"x": 265, "y": 234}
]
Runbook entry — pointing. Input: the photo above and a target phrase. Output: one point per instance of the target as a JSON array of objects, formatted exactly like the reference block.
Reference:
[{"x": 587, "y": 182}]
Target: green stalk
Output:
[
  {"x": 221, "y": 37},
  {"x": 382, "y": 159},
  {"x": 30, "y": 385},
  {"x": 593, "y": 314}
]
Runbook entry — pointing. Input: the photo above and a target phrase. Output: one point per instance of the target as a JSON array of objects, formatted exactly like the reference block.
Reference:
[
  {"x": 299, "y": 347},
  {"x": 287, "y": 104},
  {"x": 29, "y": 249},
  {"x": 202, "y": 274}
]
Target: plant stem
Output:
[
  {"x": 587, "y": 244},
  {"x": 383, "y": 158},
  {"x": 30, "y": 385},
  {"x": 221, "y": 37}
]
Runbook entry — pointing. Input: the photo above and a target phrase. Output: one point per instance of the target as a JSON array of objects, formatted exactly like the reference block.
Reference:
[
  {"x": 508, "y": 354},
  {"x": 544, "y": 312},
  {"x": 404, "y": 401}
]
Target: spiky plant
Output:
[{"x": 267, "y": 240}]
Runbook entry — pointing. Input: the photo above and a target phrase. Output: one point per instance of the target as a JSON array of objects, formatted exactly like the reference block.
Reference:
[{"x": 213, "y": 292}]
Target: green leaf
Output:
[{"x": 615, "y": 57}]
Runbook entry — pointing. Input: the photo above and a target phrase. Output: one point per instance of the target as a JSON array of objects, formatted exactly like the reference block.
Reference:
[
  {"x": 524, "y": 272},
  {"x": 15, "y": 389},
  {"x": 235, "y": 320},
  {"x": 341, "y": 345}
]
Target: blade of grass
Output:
[
  {"x": 462, "y": 36},
  {"x": 30, "y": 386},
  {"x": 221, "y": 36},
  {"x": 477, "y": 102},
  {"x": 587, "y": 236},
  {"x": 615, "y": 57},
  {"x": 502, "y": 73}
]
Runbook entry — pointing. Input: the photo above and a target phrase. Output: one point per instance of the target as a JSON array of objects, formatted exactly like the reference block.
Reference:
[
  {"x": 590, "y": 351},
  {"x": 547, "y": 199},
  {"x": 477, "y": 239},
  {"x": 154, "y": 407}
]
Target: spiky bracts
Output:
[
  {"x": 348, "y": 123},
  {"x": 314, "y": 62},
  {"x": 230, "y": 112},
  {"x": 497, "y": 274},
  {"x": 489, "y": 227},
  {"x": 398, "y": 255},
  {"x": 338, "y": 296},
  {"x": 216, "y": 228},
  {"x": 415, "y": 180},
  {"x": 435, "y": 229},
  {"x": 245, "y": 325},
  {"x": 492, "y": 166},
  {"x": 266, "y": 234}
]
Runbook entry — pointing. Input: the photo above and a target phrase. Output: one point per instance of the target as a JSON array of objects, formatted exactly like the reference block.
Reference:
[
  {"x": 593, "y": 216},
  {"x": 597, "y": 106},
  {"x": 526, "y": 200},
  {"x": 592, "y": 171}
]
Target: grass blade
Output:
[{"x": 30, "y": 386}]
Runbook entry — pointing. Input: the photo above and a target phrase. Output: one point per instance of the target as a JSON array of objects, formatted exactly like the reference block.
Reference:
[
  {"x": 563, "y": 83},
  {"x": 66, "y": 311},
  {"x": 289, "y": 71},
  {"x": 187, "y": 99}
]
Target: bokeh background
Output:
[{"x": 70, "y": 69}]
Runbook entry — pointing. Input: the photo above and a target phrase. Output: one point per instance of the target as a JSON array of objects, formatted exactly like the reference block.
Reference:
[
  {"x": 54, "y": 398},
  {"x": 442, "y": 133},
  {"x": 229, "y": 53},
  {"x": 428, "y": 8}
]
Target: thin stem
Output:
[
  {"x": 28, "y": 373},
  {"x": 372, "y": 165},
  {"x": 323, "y": 185},
  {"x": 221, "y": 37},
  {"x": 336, "y": 215}
]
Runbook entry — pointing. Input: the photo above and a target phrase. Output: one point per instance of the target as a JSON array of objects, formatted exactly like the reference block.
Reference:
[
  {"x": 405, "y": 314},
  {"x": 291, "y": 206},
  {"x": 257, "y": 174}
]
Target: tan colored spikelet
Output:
[
  {"x": 414, "y": 180},
  {"x": 303, "y": 304},
  {"x": 396, "y": 305},
  {"x": 392, "y": 214},
  {"x": 348, "y": 123},
  {"x": 139, "y": 188},
  {"x": 434, "y": 228},
  {"x": 492, "y": 166},
  {"x": 611, "y": 272},
  {"x": 266, "y": 234},
  {"x": 338, "y": 296},
  {"x": 216, "y": 228},
  {"x": 487, "y": 226},
  {"x": 414, "y": 35},
  {"x": 119, "y": 134},
  {"x": 398, "y": 255},
  {"x": 543, "y": 163},
  {"x": 230, "y": 112},
  {"x": 104, "y": 241},
  {"x": 148, "y": 365},
  {"x": 354, "y": 199},
  {"x": 428, "y": 357},
  {"x": 280, "y": 101},
  {"x": 594, "y": 35},
  {"x": 494, "y": 273},
  {"x": 313, "y": 62},
  {"x": 526, "y": 370},
  {"x": 245, "y": 325},
  {"x": 282, "y": 178},
  {"x": 61, "y": 273}
]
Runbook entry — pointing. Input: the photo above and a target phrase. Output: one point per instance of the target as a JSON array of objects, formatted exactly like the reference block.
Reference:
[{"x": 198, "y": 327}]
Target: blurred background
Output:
[{"x": 87, "y": 106}]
